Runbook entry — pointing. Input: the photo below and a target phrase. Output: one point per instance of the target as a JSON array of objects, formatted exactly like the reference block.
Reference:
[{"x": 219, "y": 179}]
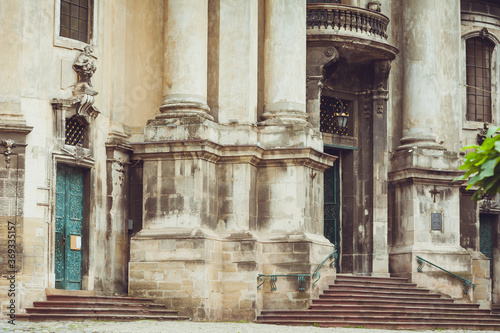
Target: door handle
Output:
[{"x": 63, "y": 240}]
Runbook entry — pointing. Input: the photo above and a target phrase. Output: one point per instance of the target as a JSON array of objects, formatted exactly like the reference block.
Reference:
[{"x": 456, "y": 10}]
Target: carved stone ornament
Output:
[
  {"x": 85, "y": 68},
  {"x": 484, "y": 33},
  {"x": 9, "y": 144},
  {"x": 481, "y": 136},
  {"x": 120, "y": 168},
  {"x": 79, "y": 154},
  {"x": 488, "y": 204},
  {"x": 375, "y": 6},
  {"x": 380, "y": 92}
]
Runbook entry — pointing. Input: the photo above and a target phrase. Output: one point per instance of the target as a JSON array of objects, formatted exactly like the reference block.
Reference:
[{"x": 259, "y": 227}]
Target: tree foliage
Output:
[{"x": 482, "y": 168}]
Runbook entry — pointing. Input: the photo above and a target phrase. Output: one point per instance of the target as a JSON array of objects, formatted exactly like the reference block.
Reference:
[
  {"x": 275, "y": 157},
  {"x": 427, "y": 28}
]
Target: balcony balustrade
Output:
[
  {"x": 358, "y": 33},
  {"x": 344, "y": 18}
]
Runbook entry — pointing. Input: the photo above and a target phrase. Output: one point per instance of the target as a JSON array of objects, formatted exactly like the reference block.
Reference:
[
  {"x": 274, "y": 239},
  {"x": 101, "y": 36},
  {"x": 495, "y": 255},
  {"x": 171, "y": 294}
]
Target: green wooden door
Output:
[
  {"x": 69, "y": 216},
  {"x": 486, "y": 222},
  {"x": 332, "y": 207}
]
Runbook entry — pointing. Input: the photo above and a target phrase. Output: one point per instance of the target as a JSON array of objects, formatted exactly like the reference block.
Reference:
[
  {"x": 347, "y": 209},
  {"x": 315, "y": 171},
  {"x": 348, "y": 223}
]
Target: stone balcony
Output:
[{"x": 359, "y": 34}]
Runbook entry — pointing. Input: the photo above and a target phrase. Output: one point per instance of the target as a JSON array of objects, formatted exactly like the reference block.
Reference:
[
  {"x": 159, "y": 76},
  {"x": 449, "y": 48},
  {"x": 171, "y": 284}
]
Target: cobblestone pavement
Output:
[{"x": 145, "y": 326}]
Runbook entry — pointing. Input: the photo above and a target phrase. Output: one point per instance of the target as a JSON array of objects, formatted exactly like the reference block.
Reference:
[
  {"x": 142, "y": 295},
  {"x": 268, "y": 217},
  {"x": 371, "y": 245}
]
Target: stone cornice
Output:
[
  {"x": 248, "y": 154},
  {"x": 425, "y": 176}
]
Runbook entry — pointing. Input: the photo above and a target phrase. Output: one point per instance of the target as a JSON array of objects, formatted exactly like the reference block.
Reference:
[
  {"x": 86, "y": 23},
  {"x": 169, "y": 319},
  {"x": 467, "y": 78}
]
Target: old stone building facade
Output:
[{"x": 188, "y": 150}]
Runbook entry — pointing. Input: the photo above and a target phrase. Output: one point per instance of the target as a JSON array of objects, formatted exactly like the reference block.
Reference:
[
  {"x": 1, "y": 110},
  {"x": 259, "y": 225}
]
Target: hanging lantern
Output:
[{"x": 341, "y": 117}]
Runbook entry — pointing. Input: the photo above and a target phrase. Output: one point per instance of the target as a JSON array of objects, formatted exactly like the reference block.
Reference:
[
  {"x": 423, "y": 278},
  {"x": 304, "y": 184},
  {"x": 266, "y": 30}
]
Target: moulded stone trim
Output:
[{"x": 212, "y": 152}]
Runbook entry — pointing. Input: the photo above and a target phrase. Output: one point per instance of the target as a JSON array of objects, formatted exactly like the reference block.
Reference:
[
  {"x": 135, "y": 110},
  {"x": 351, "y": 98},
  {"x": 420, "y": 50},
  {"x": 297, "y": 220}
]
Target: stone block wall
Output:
[
  {"x": 213, "y": 276},
  {"x": 482, "y": 280}
]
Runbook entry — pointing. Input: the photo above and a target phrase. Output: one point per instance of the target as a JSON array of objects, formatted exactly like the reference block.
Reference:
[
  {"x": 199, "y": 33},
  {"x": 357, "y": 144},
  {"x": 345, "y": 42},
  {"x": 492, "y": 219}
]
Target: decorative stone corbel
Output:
[
  {"x": 481, "y": 136},
  {"x": 119, "y": 164},
  {"x": 79, "y": 154},
  {"x": 85, "y": 68},
  {"x": 9, "y": 144},
  {"x": 375, "y": 6},
  {"x": 484, "y": 33},
  {"x": 380, "y": 93}
]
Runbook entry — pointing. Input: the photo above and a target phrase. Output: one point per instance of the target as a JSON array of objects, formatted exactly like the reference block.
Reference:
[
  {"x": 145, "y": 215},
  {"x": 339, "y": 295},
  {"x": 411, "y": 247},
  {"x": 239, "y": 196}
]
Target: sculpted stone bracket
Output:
[
  {"x": 83, "y": 91},
  {"x": 79, "y": 156},
  {"x": 9, "y": 144},
  {"x": 489, "y": 205},
  {"x": 380, "y": 93},
  {"x": 119, "y": 166}
]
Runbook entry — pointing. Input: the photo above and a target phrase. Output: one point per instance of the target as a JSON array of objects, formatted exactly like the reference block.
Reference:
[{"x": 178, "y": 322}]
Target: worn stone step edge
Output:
[
  {"x": 379, "y": 293},
  {"x": 367, "y": 302},
  {"x": 353, "y": 317},
  {"x": 98, "y": 298},
  {"x": 365, "y": 312},
  {"x": 48, "y": 317},
  {"x": 387, "y": 325},
  {"x": 375, "y": 278},
  {"x": 373, "y": 284},
  {"x": 153, "y": 311},
  {"x": 377, "y": 298},
  {"x": 84, "y": 303},
  {"x": 455, "y": 307},
  {"x": 346, "y": 288}
]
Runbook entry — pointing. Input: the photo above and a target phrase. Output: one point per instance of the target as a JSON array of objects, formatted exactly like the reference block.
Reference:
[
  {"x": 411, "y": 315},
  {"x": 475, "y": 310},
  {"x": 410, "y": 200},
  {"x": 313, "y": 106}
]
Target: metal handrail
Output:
[
  {"x": 301, "y": 277},
  {"x": 421, "y": 262}
]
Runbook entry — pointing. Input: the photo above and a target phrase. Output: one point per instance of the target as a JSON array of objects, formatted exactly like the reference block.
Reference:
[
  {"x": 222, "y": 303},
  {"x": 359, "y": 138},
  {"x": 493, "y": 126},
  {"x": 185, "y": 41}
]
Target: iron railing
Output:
[
  {"x": 421, "y": 263},
  {"x": 346, "y": 18},
  {"x": 301, "y": 277}
]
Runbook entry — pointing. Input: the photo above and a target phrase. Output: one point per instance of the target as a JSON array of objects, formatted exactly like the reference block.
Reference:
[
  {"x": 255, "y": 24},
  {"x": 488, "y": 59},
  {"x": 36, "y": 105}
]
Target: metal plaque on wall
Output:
[{"x": 436, "y": 221}]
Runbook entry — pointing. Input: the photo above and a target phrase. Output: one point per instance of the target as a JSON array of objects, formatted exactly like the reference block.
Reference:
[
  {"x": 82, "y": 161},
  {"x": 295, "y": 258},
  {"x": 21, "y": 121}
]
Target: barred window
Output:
[
  {"x": 75, "y": 133},
  {"x": 76, "y": 19},
  {"x": 478, "y": 54},
  {"x": 330, "y": 108}
]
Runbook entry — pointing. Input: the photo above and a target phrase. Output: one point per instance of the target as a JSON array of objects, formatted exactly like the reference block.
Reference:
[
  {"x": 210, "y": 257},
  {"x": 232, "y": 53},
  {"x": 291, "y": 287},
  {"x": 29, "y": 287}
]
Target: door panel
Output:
[
  {"x": 332, "y": 207},
  {"x": 69, "y": 218},
  {"x": 486, "y": 222}
]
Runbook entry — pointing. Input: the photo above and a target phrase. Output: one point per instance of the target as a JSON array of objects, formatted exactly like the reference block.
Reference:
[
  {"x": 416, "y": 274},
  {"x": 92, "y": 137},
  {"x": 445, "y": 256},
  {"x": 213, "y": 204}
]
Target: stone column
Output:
[
  {"x": 380, "y": 162},
  {"x": 285, "y": 62},
  {"x": 185, "y": 66},
  {"x": 420, "y": 51}
]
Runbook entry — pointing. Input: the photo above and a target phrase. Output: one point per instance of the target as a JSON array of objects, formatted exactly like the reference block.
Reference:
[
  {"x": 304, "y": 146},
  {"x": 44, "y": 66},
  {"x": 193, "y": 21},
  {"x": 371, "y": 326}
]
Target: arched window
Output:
[{"x": 478, "y": 60}]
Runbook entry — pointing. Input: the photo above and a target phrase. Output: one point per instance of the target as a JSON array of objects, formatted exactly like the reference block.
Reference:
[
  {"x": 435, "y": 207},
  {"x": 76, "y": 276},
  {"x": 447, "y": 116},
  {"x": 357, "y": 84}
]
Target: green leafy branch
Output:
[{"x": 482, "y": 166}]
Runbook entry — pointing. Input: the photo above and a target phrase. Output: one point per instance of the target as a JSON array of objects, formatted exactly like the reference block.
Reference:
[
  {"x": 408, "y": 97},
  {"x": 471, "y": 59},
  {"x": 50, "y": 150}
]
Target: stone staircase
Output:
[
  {"x": 390, "y": 303},
  {"x": 82, "y": 305}
]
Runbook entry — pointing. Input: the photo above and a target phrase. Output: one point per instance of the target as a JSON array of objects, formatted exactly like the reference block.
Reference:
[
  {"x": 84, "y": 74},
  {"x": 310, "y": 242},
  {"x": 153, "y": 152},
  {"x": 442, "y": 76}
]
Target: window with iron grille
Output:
[
  {"x": 75, "y": 132},
  {"x": 478, "y": 53},
  {"x": 330, "y": 108},
  {"x": 76, "y": 19}
]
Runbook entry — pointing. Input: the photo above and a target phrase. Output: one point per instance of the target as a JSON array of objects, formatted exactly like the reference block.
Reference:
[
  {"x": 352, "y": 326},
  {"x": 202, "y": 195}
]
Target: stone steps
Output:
[
  {"x": 74, "y": 306},
  {"x": 390, "y": 303}
]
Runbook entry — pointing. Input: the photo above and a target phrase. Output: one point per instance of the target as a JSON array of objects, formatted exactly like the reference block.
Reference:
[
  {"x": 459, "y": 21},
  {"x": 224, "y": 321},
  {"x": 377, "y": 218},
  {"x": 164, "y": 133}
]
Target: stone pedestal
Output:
[
  {"x": 426, "y": 219},
  {"x": 210, "y": 215}
]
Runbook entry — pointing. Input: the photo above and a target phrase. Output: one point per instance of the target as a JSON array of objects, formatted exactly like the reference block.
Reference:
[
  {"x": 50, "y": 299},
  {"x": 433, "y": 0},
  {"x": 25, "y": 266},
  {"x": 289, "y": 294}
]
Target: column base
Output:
[
  {"x": 284, "y": 113},
  {"x": 184, "y": 109},
  {"x": 419, "y": 138}
]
